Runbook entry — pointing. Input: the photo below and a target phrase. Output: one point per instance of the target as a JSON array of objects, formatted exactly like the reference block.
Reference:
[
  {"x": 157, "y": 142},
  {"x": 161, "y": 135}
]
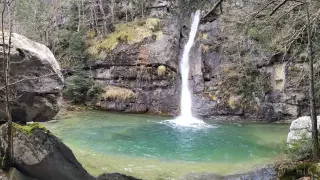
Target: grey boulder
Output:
[
  {"x": 35, "y": 80},
  {"x": 40, "y": 155}
]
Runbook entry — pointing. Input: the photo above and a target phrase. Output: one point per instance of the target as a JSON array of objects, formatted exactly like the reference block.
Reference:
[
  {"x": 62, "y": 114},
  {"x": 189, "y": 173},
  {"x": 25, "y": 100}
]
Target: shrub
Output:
[
  {"x": 94, "y": 91},
  {"x": 117, "y": 93},
  {"x": 161, "y": 70},
  {"x": 254, "y": 33},
  {"x": 77, "y": 87},
  {"x": 299, "y": 149}
]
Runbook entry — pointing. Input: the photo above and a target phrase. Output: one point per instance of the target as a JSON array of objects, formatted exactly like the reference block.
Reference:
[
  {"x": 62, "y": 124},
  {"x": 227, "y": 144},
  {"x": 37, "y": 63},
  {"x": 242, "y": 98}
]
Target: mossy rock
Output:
[
  {"x": 130, "y": 33},
  {"x": 29, "y": 129},
  {"x": 298, "y": 170}
]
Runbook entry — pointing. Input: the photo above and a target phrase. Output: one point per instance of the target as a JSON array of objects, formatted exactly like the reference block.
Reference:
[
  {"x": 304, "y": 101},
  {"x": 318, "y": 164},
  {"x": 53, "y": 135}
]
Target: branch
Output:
[
  {"x": 268, "y": 4},
  {"x": 26, "y": 79},
  {"x": 287, "y": 12},
  {"x": 278, "y": 7},
  {"x": 213, "y": 9}
]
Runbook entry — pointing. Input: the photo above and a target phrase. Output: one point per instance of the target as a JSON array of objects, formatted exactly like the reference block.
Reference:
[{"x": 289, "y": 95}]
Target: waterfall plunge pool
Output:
[{"x": 142, "y": 146}]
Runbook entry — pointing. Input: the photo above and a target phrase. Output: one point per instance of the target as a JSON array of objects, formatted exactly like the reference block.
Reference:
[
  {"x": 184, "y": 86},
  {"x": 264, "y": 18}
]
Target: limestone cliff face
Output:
[
  {"x": 140, "y": 58},
  {"x": 237, "y": 76},
  {"x": 35, "y": 81},
  {"x": 232, "y": 74}
]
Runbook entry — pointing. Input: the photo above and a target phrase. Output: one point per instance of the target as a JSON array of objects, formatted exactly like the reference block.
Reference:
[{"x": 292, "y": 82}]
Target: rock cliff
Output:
[
  {"x": 140, "y": 58},
  {"x": 238, "y": 77},
  {"x": 237, "y": 70}
]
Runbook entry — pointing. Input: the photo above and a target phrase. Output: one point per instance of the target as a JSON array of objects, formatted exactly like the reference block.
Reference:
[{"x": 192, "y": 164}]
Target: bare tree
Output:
[
  {"x": 315, "y": 140},
  {"x": 7, "y": 11}
]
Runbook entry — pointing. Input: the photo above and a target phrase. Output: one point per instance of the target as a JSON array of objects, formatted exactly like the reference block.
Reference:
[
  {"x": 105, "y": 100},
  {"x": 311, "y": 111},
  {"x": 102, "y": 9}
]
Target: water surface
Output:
[{"x": 141, "y": 146}]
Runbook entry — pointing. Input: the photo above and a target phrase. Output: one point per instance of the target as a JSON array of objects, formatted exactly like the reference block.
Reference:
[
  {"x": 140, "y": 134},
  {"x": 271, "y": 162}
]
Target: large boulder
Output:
[
  {"x": 35, "y": 78},
  {"x": 39, "y": 154},
  {"x": 301, "y": 128}
]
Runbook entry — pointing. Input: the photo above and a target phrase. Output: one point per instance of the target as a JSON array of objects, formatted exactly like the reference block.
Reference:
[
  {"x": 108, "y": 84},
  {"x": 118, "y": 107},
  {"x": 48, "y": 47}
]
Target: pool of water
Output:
[{"x": 142, "y": 146}]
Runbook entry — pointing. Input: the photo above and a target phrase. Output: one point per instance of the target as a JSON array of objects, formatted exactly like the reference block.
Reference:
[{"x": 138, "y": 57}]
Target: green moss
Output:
[
  {"x": 3, "y": 161},
  {"x": 203, "y": 36},
  {"x": 91, "y": 34},
  {"x": 232, "y": 102},
  {"x": 29, "y": 129},
  {"x": 254, "y": 33},
  {"x": 132, "y": 32}
]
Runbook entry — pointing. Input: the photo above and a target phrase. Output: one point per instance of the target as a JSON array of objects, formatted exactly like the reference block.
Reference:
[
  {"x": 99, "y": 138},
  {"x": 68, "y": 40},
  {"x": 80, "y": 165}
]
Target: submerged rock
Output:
[
  {"x": 36, "y": 81},
  {"x": 115, "y": 176},
  {"x": 40, "y": 155},
  {"x": 14, "y": 174},
  {"x": 300, "y": 128},
  {"x": 267, "y": 173}
]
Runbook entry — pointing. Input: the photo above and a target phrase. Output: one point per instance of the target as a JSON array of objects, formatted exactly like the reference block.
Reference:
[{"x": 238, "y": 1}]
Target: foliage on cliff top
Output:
[
  {"x": 284, "y": 31},
  {"x": 131, "y": 32},
  {"x": 117, "y": 93}
]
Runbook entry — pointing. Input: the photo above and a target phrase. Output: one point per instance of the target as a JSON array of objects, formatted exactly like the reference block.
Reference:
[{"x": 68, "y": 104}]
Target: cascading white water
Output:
[
  {"x": 186, "y": 118},
  {"x": 186, "y": 102}
]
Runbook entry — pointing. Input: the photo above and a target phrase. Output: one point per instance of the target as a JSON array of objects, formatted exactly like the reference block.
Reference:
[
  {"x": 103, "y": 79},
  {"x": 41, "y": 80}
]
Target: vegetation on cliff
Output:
[
  {"x": 81, "y": 87},
  {"x": 131, "y": 32}
]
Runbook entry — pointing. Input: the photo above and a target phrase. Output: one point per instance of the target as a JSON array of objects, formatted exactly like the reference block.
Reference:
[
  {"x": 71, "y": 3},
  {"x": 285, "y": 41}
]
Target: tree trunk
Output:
[
  {"x": 104, "y": 19},
  {"x": 112, "y": 5},
  {"x": 315, "y": 142},
  {"x": 6, "y": 70},
  {"x": 79, "y": 15}
]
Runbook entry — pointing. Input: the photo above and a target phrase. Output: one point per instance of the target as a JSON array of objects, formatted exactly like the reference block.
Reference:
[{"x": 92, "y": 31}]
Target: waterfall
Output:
[
  {"x": 186, "y": 100},
  {"x": 186, "y": 119}
]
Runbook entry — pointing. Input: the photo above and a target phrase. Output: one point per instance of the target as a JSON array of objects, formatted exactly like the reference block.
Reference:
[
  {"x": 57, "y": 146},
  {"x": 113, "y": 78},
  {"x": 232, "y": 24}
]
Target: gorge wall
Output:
[{"x": 233, "y": 73}]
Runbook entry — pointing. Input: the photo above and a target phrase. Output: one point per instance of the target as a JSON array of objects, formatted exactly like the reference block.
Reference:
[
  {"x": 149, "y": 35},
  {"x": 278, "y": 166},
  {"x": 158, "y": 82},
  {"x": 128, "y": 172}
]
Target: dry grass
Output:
[
  {"x": 161, "y": 70},
  {"x": 117, "y": 93}
]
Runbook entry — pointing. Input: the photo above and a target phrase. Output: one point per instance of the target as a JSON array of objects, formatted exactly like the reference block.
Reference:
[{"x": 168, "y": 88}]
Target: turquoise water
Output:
[{"x": 123, "y": 139}]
